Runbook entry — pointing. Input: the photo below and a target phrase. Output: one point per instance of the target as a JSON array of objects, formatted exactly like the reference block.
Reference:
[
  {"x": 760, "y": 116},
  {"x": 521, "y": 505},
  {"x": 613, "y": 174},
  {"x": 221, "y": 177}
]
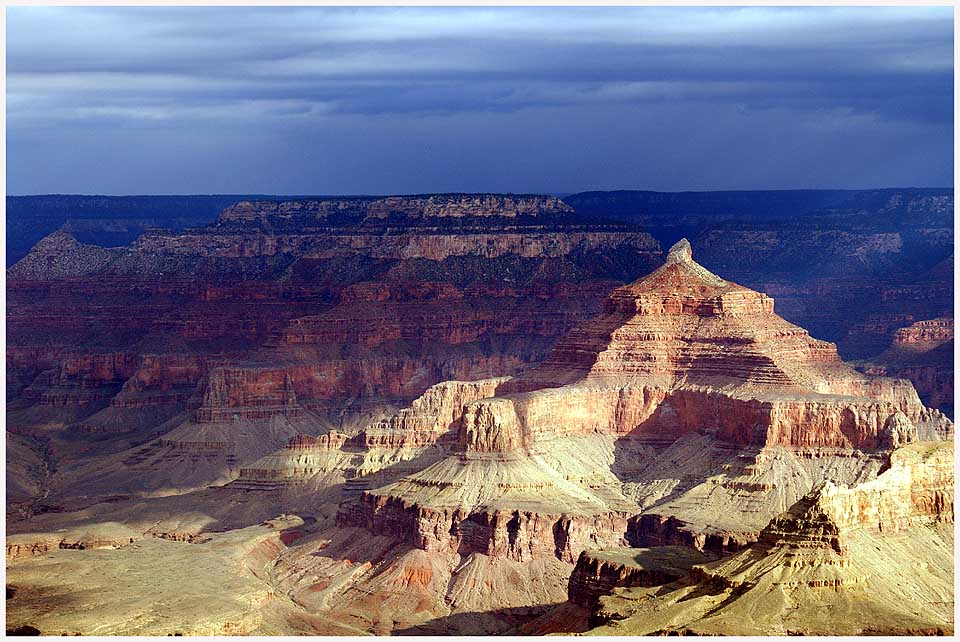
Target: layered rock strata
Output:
[
  {"x": 545, "y": 466},
  {"x": 184, "y": 283},
  {"x": 876, "y": 558},
  {"x": 338, "y": 308},
  {"x": 923, "y": 353},
  {"x": 276, "y": 213},
  {"x": 849, "y": 266},
  {"x": 599, "y": 572},
  {"x": 382, "y": 451},
  {"x": 248, "y": 394}
]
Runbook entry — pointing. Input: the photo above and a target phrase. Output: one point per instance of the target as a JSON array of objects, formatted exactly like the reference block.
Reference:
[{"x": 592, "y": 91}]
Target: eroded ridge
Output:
[
  {"x": 876, "y": 557},
  {"x": 682, "y": 364}
]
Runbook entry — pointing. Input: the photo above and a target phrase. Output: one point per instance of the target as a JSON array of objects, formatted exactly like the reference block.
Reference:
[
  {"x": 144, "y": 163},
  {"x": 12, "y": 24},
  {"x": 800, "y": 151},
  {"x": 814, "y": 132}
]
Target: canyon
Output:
[
  {"x": 868, "y": 559},
  {"x": 484, "y": 414}
]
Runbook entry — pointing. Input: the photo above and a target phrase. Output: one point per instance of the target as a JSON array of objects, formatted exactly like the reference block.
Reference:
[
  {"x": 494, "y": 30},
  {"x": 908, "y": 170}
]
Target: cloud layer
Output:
[{"x": 377, "y": 100}]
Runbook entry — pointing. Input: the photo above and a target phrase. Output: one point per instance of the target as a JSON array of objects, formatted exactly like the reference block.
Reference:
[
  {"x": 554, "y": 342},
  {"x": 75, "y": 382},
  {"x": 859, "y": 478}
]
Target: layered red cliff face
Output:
[
  {"x": 247, "y": 393},
  {"x": 84, "y": 379},
  {"x": 850, "y": 267},
  {"x": 338, "y": 308},
  {"x": 160, "y": 379},
  {"x": 923, "y": 353},
  {"x": 677, "y": 356}
]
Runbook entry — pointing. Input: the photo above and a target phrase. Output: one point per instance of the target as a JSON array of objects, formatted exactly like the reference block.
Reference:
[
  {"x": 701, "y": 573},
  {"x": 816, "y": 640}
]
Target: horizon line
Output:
[{"x": 560, "y": 194}]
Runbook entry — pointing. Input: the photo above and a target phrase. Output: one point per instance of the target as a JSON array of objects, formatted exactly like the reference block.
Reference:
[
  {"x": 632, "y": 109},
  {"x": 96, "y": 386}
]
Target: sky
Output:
[{"x": 375, "y": 100}]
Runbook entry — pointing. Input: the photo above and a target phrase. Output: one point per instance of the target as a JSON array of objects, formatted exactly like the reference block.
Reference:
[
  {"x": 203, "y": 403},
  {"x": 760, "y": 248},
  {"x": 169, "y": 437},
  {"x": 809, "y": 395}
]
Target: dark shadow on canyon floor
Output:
[{"x": 535, "y": 619}]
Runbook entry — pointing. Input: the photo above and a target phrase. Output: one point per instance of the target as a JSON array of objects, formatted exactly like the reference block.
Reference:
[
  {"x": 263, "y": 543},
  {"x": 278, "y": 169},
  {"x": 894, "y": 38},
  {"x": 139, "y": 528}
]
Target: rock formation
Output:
[
  {"x": 325, "y": 312},
  {"x": 849, "y": 266},
  {"x": 876, "y": 558},
  {"x": 923, "y": 353},
  {"x": 60, "y": 255},
  {"x": 476, "y": 434},
  {"x": 550, "y": 465},
  {"x": 599, "y": 572},
  {"x": 315, "y": 211},
  {"x": 382, "y": 451}
]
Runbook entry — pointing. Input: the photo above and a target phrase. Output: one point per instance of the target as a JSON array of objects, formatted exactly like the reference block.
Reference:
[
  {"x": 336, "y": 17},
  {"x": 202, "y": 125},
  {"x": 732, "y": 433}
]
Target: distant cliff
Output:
[
  {"x": 406, "y": 209},
  {"x": 103, "y": 220}
]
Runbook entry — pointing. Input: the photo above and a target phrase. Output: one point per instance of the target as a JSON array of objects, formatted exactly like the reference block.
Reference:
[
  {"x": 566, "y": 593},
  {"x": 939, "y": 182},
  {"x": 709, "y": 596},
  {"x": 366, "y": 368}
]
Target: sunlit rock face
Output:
[
  {"x": 314, "y": 315},
  {"x": 381, "y": 452},
  {"x": 873, "y": 558},
  {"x": 923, "y": 353},
  {"x": 678, "y": 357},
  {"x": 851, "y": 267},
  {"x": 464, "y": 403}
]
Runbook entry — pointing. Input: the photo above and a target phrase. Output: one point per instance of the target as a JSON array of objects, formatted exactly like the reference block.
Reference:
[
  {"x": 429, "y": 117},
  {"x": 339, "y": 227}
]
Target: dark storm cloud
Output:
[{"x": 319, "y": 99}]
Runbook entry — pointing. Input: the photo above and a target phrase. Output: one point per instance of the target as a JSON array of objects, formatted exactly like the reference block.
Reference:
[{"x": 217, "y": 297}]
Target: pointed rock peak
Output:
[
  {"x": 808, "y": 520},
  {"x": 682, "y": 285},
  {"x": 681, "y": 252},
  {"x": 681, "y": 256}
]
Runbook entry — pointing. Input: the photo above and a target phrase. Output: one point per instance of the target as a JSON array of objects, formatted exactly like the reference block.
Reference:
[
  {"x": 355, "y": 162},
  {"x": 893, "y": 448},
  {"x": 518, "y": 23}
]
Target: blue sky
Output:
[{"x": 323, "y": 100}]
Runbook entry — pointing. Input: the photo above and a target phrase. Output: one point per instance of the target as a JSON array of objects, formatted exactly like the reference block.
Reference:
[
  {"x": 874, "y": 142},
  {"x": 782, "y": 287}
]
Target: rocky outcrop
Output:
[
  {"x": 657, "y": 529},
  {"x": 923, "y": 353},
  {"x": 82, "y": 379},
  {"x": 835, "y": 547},
  {"x": 247, "y": 393},
  {"x": 60, "y": 255},
  {"x": 897, "y": 431},
  {"x": 379, "y": 453},
  {"x": 924, "y": 335},
  {"x": 436, "y": 411},
  {"x": 280, "y": 213},
  {"x": 665, "y": 414},
  {"x": 599, "y": 572},
  {"x": 161, "y": 379},
  {"x": 110, "y": 535},
  {"x": 917, "y": 486},
  {"x": 519, "y": 535},
  {"x": 678, "y": 354}
]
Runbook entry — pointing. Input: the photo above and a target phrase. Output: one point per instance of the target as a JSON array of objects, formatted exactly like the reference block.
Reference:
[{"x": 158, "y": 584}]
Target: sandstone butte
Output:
[
  {"x": 686, "y": 421},
  {"x": 687, "y": 413}
]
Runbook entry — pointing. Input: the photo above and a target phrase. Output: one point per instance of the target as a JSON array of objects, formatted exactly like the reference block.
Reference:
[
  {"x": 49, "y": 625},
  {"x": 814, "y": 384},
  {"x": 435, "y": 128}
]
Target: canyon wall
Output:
[{"x": 678, "y": 354}]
